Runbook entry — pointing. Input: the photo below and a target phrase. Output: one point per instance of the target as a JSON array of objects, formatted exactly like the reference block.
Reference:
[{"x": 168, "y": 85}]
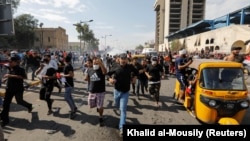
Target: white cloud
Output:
[
  {"x": 78, "y": 9},
  {"x": 53, "y": 17},
  {"x": 217, "y": 8},
  {"x": 71, "y": 6},
  {"x": 50, "y": 11},
  {"x": 67, "y": 3},
  {"x": 40, "y": 2}
]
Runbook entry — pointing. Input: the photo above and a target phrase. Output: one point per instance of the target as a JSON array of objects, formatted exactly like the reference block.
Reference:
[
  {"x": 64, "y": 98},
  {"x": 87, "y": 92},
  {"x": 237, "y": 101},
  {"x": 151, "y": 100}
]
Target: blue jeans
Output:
[
  {"x": 121, "y": 101},
  {"x": 69, "y": 99}
]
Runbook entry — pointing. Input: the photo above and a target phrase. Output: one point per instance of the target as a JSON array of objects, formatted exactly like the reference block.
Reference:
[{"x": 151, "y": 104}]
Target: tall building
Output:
[
  {"x": 174, "y": 15},
  {"x": 54, "y": 38}
]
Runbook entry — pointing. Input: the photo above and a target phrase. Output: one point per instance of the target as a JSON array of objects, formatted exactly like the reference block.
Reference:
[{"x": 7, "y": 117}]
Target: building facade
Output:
[
  {"x": 51, "y": 38},
  {"x": 218, "y": 41},
  {"x": 174, "y": 15},
  {"x": 74, "y": 46},
  {"x": 217, "y": 35}
]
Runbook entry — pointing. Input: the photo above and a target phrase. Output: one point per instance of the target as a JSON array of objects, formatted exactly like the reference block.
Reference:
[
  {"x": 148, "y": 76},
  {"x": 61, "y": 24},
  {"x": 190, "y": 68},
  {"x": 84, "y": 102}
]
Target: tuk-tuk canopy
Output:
[{"x": 213, "y": 63}]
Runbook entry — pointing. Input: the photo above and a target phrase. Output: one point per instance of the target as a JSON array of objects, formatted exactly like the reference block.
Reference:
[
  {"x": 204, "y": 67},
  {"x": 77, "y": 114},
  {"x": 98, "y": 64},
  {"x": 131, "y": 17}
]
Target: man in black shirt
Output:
[
  {"x": 27, "y": 60},
  {"x": 46, "y": 73},
  {"x": 120, "y": 77},
  {"x": 96, "y": 77},
  {"x": 155, "y": 73},
  {"x": 137, "y": 79},
  {"x": 14, "y": 87},
  {"x": 142, "y": 78},
  {"x": 36, "y": 59},
  {"x": 68, "y": 74}
]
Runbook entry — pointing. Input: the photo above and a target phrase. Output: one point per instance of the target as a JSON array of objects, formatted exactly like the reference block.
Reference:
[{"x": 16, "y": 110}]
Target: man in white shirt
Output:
[{"x": 54, "y": 64}]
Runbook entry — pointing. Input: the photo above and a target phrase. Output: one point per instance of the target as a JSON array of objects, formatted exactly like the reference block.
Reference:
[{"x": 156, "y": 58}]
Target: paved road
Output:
[{"x": 40, "y": 127}]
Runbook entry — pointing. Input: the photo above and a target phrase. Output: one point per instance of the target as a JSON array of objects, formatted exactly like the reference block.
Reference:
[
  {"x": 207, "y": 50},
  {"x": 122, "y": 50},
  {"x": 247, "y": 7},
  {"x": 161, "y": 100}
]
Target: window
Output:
[
  {"x": 211, "y": 41},
  {"x": 207, "y": 41},
  {"x": 217, "y": 48},
  {"x": 211, "y": 49},
  {"x": 222, "y": 79}
]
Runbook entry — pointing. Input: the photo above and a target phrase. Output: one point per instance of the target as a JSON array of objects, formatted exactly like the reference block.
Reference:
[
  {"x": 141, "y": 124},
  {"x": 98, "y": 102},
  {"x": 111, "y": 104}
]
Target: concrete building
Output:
[
  {"x": 74, "y": 46},
  {"x": 174, "y": 15},
  {"x": 215, "y": 36},
  {"x": 53, "y": 38}
]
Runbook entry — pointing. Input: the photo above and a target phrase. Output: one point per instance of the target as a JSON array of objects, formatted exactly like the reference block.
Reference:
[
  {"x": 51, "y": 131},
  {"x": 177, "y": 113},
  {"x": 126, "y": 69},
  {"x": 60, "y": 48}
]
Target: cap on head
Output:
[
  {"x": 13, "y": 52},
  {"x": 123, "y": 56},
  {"x": 236, "y": 48},
  {"x": 14, "y": 58},
  {"x": 154, "y": 58}
]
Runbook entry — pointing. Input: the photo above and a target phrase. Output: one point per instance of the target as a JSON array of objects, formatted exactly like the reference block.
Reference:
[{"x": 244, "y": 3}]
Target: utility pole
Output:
[{"x": 105, "y": 36}]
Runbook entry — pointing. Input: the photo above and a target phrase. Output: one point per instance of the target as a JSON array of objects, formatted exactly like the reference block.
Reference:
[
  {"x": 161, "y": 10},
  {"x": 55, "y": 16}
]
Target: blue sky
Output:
[{"x": 130, "y": 22}]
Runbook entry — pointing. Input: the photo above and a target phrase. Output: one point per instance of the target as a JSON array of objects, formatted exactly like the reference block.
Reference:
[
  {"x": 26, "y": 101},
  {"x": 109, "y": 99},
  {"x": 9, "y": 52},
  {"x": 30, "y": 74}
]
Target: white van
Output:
[{"x": 150, "y": 51}]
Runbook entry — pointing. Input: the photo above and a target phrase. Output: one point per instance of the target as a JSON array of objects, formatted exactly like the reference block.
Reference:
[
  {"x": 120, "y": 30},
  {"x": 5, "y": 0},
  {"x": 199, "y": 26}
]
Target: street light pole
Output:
[
  {"x": 79, "y": 25},
  {"x": 41, "y": 40},
  {"x": 105, "y": 36}
]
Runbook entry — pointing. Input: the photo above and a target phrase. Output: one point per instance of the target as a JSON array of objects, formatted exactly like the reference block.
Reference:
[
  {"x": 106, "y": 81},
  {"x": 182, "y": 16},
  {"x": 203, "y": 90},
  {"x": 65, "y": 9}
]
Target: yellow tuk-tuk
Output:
[
  {"x": 139, "y": 57},
  {"x": 220, "y": 95}
]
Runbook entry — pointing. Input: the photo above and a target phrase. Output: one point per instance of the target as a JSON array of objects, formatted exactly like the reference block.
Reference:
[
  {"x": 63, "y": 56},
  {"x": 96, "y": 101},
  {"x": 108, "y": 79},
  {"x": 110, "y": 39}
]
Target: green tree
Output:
[
  {"x": 139, "y": 47},
  {"x": 87, "y": 35},
  {"x": 24, "y": 30},
  {"x": 15, "y": 4},
  {"x": 176, "y": 45}
]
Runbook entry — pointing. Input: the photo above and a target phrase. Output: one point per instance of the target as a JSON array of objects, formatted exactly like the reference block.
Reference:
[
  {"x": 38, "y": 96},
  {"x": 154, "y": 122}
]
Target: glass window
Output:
[{"x": 223, "y": 79}]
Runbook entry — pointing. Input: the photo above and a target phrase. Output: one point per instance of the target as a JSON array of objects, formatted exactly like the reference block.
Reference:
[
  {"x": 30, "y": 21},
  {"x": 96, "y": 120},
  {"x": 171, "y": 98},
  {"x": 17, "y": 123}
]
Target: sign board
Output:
[{"x": 6, "y": 20}]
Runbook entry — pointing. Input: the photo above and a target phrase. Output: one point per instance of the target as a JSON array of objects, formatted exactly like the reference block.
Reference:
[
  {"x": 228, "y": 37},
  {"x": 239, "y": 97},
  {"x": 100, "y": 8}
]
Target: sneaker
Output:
[
  {"x": 116, "y": 111},
  {"x": 49, "y": 112},
  {"x": 101, "y": 122},
  {"x": 30, "y": 109},
  {"x": 59, "y": 90},
  {"x": 75, "y": 109},
  {"x": 193, "y": 113},
  {"x": 72, "y": 115},
  {"x": 121, "y": 131},
  {"x": 3, "y": 123}
]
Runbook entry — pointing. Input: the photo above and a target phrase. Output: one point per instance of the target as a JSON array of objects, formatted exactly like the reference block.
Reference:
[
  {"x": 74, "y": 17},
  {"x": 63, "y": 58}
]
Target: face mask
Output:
[
  {"x": 95, "y": 67},
  {"x": 154, "y": 62}
]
